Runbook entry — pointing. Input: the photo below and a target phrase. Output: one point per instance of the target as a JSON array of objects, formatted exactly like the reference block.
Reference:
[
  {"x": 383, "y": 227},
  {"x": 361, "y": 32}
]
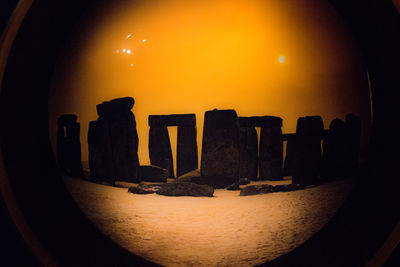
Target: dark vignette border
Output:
[{"x": 351, "y": 238}]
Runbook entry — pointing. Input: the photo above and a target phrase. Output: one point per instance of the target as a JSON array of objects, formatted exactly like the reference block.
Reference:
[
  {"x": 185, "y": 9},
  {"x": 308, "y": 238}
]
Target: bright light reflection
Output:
[
  {"x": 128, "y": 52},
  {"x": 144, "y": 40},
  {"x": 281, "y": 59},
  {"x": 124, "y": 50}
]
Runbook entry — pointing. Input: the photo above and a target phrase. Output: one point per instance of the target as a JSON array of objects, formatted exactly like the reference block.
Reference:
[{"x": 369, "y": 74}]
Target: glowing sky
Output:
[{"x": 282, "y": 58}]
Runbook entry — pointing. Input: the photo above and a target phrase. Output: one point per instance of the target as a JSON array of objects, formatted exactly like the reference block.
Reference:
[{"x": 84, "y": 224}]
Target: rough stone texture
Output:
[
  {"x": 233, "y": 187},
  {"x": 160, "y": 149},
  {"x": 193, "y": 176},
  {"x": 187, "y": 155},
  {"x": 68, "y": 145},
  {"x": 265, "y": 189},
  {"x": 113, "y": 142},
  {"x": 307, "y": 150},
  {"x": 248, "y": 149},
  {"x": 220, "y": 150},
  {"x": 271, "y": 149},
  {"x": 186, "y": 189},
  {"x": 353, "y": 132},
  {"x": 334, "y": 160},
  {"x": 256, "y": 189},
  {"x": 152, "y": 173},
  {"x": 145, "y": 189}
]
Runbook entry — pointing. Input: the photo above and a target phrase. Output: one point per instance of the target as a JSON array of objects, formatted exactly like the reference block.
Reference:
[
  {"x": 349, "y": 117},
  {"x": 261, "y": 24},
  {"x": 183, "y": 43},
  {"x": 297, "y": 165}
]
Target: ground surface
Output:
[{"x": 225, "y": 230}]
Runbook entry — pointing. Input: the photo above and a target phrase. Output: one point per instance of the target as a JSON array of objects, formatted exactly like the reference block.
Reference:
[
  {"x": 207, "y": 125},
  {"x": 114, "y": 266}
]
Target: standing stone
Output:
[
  {"x": 68, "y": 145},
  {"x": 353, "y": 132},
  {"x": 307, "y": 154},
  {"x": 220, "y": 149},
  {"x": 187, "y": 159},
  {"x": 100, "y": 155},
  {"x": 248, "y": 149},
  {"x": 160, "y": 148},
  {"x": 271, "y": 149},
  {"x": 113, "y": 142},
  {"x": 124, "y": 141},
  {"x": 289, "y": 155},
  {"x": 334, "y": 150}
]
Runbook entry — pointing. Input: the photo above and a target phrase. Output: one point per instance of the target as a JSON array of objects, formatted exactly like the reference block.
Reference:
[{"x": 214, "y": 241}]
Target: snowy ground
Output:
[{"x": 225, "y": 230}]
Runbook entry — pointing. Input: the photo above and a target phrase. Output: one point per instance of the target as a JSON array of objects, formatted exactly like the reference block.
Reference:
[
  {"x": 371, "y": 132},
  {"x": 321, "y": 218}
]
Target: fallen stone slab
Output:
[
  {"x": 151, "y": 173},
  {"x": 287, "y": 187},
  {"x": 193, "y": 177},
  {"x": 256, "y": 190},
  {"x": 145, "y": 189},
  {"x": 233, "y": 187},
  {"x": 265, "y": 189},
  {"x": 236, "y": 186},
  {"x": 186, "y": 189}
]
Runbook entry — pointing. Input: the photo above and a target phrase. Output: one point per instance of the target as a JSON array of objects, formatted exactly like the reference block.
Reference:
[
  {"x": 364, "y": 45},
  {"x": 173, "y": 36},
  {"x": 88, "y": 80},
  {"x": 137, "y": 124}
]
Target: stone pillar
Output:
[
  {"x": 124, "y": 142},
  {"x": 307, "y": 154},
  {"x": 271, "y": 149},
  {"x": 113, "y": 142},
  {"x": 100, "y": 151},
  {"x": 220, "y": 149},
  {"x": 68, "y": 145},
  {"x": 353, "y": 133},
  {"x": 248, "y": 149},
  {"x": 334, "y": 151},
  {"x": 289, "y": 156},
  {"x": 160, "y": 148},
  {"x": 187, "y": 159}
]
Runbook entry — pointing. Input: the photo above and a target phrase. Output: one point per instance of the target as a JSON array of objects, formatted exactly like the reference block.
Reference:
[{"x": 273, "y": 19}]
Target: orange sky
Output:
[{"x": 191, "y": 56}]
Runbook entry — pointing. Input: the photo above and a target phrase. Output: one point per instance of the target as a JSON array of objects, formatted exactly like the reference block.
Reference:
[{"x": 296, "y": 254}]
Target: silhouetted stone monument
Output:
[
  {"x": 335, "y": 151},
  {"x": 248, "y": 149},
  {"x": 290, "y": 155},
  {"x": 113, "y": 142},
  {"x": 160, "y": 147},
  {"x": 68, "y": 145},
  {"x": 187, "y": 155},
  {"x": 270, "y": 160},
  {"x": 307, "y": 150},
  {"x": 220, "y": 149}
]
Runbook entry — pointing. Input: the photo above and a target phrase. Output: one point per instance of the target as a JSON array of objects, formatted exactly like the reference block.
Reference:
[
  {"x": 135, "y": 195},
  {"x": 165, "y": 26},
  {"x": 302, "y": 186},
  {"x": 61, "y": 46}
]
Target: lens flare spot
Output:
[{"x": 281, "y": 59}]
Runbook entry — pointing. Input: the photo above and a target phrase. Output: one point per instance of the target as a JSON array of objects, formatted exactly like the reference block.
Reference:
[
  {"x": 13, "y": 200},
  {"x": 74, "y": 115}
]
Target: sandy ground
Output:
[{"x": 226, "y": 230}]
